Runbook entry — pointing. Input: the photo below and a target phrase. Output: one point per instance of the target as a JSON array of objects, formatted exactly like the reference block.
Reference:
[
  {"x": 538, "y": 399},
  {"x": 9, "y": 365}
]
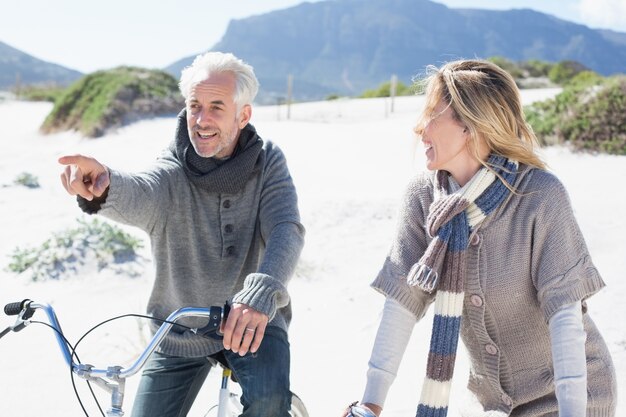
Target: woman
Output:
[{"x": 489, "y": 235}]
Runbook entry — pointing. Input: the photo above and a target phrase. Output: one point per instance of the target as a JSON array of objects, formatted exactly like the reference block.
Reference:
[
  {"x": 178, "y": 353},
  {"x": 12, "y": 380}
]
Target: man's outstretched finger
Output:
[
  {"x": 85, "y": 176},
  {"x": 76, "y": 159}
]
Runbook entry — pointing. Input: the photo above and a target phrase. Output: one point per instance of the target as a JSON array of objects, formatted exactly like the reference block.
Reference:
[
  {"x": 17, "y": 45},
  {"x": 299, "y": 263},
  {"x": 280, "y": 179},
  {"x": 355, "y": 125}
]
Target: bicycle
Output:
[{"x": 113, "y": 378}]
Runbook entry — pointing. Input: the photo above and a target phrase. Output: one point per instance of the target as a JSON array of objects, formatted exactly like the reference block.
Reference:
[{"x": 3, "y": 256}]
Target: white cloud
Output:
[{"x": 610, "y": 14}]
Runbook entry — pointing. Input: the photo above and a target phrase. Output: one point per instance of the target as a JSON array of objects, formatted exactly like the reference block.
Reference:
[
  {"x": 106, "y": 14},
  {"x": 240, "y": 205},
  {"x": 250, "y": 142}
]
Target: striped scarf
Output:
[{"x": 451, "y": 219}]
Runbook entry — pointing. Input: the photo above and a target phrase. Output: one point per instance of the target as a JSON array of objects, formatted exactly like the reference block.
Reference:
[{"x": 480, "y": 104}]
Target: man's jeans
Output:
[{"x": 169, "y": 384}]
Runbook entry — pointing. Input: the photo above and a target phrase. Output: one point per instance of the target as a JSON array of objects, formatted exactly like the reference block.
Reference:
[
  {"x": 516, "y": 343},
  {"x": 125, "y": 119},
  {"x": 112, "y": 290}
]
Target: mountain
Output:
[
  {"x": 613, "y": 36},
  {"x": 346, "y": 46},
  {"x": 16, "y": 64}
]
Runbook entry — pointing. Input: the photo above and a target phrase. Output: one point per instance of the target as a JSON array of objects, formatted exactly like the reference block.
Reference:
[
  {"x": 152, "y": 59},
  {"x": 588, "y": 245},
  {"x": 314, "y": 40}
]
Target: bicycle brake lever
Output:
[
  {"x": 19, "y": 326},
  {"x": 212, "y": 329}
]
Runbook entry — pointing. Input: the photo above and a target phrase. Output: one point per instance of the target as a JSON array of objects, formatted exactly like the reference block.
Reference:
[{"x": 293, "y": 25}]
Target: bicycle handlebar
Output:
[
  {"x": 113, "y": 378},
  {"x": 13, "y": 309},
  {"x": 26, "y": 308}
]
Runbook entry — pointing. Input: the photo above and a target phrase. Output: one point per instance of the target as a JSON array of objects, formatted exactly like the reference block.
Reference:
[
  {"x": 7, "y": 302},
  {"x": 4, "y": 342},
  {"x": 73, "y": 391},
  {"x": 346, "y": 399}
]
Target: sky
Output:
[{"x": 88, "y": 36}]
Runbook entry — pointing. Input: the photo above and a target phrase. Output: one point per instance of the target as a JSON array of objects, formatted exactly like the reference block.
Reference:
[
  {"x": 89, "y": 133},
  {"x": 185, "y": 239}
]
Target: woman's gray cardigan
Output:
[{"x": 525, "y": 260}]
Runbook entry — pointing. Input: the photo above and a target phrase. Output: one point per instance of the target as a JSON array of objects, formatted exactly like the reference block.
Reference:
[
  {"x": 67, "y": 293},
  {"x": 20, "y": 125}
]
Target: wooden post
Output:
[
  {"x": 392, "y": 90},
  {"x": 18, "y": 85},
  {"x": 278, "y": 102},
  {"x": 289, "y": 92}
]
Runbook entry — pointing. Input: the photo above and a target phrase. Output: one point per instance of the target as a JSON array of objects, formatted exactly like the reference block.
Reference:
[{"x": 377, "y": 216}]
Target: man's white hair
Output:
[{"x": 246, "y": 83}]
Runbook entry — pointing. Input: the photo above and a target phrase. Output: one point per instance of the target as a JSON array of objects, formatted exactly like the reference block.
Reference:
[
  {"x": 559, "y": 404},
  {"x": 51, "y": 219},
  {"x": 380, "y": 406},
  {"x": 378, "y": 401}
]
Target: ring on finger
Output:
[{"x": 248, "y": 329}]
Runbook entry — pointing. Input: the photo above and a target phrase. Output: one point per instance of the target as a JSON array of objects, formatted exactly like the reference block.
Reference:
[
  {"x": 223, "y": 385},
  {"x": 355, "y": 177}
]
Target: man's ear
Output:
[{"x": 245, "y": 115}]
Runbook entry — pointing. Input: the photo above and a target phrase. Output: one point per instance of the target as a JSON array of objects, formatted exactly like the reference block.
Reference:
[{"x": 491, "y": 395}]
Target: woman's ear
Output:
[{"x": 467, "y": 134}]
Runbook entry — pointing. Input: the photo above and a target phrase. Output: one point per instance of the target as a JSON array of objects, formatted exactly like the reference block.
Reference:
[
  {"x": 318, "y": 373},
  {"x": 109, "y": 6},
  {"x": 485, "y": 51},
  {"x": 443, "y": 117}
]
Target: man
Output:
[{"x": 221, "y": 211}]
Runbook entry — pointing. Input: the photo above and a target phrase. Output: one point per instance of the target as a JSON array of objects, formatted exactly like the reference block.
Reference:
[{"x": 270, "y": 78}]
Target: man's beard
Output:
[{"x": 223, "y": 140}]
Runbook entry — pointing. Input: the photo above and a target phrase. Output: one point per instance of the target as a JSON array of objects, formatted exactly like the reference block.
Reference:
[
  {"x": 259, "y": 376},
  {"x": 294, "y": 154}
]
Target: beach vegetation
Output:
[
  {"x": 36, "y": 92},
  {"x": 105, "y": 100},
  {"x": 106, "y": 244},
  {"x": 27, "y": 179},
  {"x": 589, "y": 115},
  {"x": 384, "y": 90}
]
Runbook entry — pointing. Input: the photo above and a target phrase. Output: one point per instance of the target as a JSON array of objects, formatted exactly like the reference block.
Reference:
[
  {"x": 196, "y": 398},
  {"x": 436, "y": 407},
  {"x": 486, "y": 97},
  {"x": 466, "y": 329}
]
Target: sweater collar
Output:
[{"x": 215, "y": 175}]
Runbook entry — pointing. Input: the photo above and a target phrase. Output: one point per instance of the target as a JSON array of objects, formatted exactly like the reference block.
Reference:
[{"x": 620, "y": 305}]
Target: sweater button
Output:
[
  {"x": 475, "y": 240},
  {"x": 230, "y": 250},
  {"x": 491, "y": 349},
  {"x": 507, "y": 400},
  {"x": 228, "y": 228},
  {"x": 226, "y": 204},
  {"x": 476, "y": 300}
]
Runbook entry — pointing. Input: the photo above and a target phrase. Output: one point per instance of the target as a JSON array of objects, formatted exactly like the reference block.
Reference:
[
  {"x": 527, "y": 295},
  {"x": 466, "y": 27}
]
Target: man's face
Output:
[{"x": 212, "y": 118}]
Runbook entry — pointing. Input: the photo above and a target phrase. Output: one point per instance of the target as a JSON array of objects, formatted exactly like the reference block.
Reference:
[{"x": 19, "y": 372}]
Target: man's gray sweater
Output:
[{"x": 210, "y": 247}]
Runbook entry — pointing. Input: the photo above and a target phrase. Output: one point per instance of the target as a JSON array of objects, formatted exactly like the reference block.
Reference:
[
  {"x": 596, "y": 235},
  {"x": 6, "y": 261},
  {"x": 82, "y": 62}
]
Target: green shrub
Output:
[
  {"x": 41, "y": 93},
  {"x": 110, "y": 99},
  {"x": 589, "y": 114},
  {"x": 384, "y": 90},
  {"x": 536, "y": 68},
  {"x": 563, "y": 71},
  {"x": 598, "y": 122},
  {"x": 584, "y": 79},
  {"x": 27, "y": 180},
  {"x": 507, "y": 65},
  {"x": 64, "y": 252},
  {"x": 543, "y": 117},
  {"x": 534, "y": 73}
]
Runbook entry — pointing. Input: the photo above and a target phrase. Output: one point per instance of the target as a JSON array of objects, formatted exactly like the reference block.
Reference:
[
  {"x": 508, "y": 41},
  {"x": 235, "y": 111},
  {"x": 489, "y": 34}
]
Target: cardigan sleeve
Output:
[
  {"x": 563, "y": 272},
  {"x": 408, "y": 246}
]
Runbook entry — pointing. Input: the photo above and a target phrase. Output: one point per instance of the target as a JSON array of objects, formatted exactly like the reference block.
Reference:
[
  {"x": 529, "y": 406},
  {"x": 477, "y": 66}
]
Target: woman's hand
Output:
[
  {"x": 362, "y": 410},
  {"x": 373, "y": 408}
]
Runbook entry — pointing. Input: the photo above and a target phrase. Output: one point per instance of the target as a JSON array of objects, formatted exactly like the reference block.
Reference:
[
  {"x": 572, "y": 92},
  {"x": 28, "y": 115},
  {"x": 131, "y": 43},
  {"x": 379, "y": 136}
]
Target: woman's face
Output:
[{"x": 445, "y": 140}]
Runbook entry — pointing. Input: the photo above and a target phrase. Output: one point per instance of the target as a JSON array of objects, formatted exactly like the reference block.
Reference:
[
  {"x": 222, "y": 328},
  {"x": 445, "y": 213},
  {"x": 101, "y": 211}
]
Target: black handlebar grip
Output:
[{"x": 13, "y": 309}]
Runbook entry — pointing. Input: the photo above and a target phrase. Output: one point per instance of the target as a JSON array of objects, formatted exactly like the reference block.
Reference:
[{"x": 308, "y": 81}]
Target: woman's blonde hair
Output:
[{"x": 486, "y": 100}]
